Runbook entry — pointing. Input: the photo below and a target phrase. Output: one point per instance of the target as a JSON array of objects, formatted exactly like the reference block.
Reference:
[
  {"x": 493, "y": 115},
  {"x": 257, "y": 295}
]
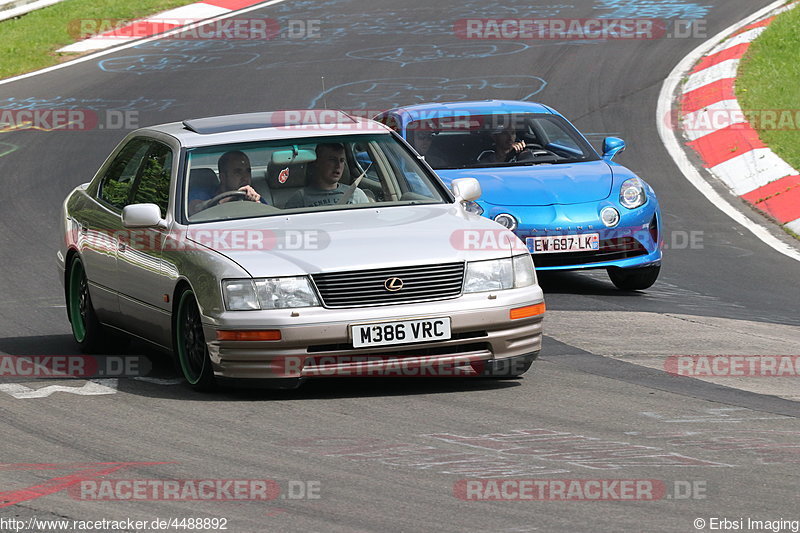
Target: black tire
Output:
[
  {"x": 86, "y": 329},
  {"x": 190, "y": 344},
  {"x": 634, "y": 279}
]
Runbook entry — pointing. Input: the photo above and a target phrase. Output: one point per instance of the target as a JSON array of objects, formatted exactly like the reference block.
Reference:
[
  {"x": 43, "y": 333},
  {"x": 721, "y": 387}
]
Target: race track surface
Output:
[{"x": 392, "y": 455}]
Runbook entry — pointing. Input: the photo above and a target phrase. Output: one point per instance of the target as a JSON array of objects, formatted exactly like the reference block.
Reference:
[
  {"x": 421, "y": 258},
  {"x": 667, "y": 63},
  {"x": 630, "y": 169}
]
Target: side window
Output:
[
  {"x": 116, "y": 186},
  {"x": 153, "y": 184}
]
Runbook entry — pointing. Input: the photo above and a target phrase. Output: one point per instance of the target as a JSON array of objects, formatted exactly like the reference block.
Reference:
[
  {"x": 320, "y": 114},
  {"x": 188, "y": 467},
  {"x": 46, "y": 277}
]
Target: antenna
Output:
[{"x": 324, "y": 97}]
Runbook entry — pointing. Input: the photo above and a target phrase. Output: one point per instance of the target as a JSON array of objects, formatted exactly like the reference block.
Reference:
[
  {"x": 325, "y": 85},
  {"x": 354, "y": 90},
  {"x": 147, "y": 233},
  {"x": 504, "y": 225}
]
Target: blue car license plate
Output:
[{"x": 563, "y": 243}]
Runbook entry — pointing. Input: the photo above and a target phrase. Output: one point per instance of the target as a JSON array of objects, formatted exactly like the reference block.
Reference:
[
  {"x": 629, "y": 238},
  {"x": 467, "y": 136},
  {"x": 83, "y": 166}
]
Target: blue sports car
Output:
[{"x": 574, "y": 208}]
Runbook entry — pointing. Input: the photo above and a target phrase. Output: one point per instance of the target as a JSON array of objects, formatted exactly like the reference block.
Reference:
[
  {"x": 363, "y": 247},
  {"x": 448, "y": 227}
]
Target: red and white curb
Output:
[
  {"x": 159, "y": 23},
  {"x": 716, "y": 127}
]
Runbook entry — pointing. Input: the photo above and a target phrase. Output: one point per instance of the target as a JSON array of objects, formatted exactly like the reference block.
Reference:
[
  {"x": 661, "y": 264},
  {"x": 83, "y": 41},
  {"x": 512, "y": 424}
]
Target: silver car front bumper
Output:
[{"x": 318, "y": 343}]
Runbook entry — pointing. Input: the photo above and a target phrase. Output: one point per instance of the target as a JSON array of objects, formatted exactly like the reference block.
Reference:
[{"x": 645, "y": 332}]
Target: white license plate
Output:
[
  {"x": 563, "y": 243},
  {"x": 400, "y": 332}
]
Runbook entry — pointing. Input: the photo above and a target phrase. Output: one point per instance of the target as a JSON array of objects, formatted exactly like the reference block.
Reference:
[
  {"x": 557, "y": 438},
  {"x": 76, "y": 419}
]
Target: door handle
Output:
[{"x": 121, "y": 246}]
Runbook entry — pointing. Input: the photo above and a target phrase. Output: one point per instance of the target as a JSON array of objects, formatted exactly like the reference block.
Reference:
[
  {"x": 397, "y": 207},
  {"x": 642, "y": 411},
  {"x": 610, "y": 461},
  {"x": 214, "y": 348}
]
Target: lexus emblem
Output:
[{"x": 393, "y": 284}]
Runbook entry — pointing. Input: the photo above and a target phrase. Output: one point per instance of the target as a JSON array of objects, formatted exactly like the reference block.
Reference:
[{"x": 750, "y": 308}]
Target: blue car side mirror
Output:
[{"x": 611, "y": 147}]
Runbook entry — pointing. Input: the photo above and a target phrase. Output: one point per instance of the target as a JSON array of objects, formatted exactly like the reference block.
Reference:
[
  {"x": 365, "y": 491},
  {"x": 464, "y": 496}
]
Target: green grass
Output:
[
  {"x": 769, "y": 79},
  {"x": 30, "y": 41}
]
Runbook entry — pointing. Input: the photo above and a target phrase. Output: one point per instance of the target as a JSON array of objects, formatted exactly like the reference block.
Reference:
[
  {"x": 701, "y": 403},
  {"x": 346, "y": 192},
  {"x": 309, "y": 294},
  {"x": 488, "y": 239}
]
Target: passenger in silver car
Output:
[{"x": 323, "y": 186}]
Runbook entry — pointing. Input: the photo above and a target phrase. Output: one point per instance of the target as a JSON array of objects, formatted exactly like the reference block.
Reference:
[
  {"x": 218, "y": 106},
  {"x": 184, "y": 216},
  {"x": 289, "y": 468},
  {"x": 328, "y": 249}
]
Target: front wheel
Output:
[
  {"x": 190, "y": 344},
  {"x": 634, "y": 279},
  {"x": 86, "y": 328}
]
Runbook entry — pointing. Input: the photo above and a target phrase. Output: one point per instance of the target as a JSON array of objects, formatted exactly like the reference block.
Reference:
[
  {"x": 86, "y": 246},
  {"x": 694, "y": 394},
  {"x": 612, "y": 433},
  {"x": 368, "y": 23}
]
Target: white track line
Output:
[
  {"x": 140, "y": 41},
  {"x": 677, "y": 151}
]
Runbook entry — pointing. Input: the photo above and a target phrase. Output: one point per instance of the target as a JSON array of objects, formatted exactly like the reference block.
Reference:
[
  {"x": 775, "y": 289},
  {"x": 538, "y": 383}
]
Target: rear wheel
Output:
[
  {"x": 634, "y": 279},
  {"x": 86, "y": 329},
  {"x": 190, "y": 344}
]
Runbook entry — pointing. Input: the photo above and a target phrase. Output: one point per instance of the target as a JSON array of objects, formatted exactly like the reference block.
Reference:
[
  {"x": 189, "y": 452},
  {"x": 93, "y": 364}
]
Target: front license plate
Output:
[
  {"x": 563, "y": 243},
  {"x": 401, "y": 332}
]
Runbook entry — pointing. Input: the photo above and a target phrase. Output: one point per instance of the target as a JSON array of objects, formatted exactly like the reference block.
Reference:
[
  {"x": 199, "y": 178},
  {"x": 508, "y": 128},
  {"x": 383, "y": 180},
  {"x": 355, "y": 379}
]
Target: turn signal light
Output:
[
  {"x": 527, "y": 311},
  {"x": 243, "y": 335}
]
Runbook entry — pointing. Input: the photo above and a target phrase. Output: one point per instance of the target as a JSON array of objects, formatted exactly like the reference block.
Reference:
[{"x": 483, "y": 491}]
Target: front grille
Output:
[
  {"x": 610, "y": 250},
  {"x": 360, "y": 288}
]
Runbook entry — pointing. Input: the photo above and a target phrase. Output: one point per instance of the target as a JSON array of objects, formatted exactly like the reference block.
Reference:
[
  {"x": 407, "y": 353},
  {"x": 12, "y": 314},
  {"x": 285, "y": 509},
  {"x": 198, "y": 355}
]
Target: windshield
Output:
[
  {"x": 498, "y": 140},
  {"x": 304, "y": 175}
]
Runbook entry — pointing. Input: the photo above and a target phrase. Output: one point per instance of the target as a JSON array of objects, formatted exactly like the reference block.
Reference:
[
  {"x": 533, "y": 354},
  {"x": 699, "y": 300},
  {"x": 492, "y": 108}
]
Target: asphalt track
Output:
[{"x": 387, "y": 454}]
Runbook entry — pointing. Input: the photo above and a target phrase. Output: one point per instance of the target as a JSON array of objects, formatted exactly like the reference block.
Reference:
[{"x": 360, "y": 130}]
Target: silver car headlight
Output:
[
  {"x": 524, "y": 272},
  {"x": 631, "y": 193},
  {"x": 240, "y": 295},
  {"x": 269, "y": 293},
  {"x": 499, "y": 274}
]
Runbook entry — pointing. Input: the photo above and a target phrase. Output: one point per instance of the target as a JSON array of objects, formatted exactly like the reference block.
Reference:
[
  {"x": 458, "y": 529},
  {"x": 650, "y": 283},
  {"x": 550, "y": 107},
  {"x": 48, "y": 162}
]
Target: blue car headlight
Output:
[{"x": 631, "y": 193}]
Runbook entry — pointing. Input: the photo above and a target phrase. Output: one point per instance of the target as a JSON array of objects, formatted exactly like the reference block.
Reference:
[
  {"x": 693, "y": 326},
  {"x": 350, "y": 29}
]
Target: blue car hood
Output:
[{"x": 574, "y": 183}]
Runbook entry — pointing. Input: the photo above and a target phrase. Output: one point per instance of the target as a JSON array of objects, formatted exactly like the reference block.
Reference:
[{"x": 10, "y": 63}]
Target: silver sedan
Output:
[{"x": 277, "y": 247}]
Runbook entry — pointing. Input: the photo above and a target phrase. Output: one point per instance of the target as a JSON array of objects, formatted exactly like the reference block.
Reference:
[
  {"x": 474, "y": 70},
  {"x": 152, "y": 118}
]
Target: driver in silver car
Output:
[{"x": 234, "y": 174}]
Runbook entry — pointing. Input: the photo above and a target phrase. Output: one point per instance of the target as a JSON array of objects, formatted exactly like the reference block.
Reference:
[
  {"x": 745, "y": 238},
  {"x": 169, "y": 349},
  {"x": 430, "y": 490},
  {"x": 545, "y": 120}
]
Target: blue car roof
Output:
[{"x": 474, "y": 107}]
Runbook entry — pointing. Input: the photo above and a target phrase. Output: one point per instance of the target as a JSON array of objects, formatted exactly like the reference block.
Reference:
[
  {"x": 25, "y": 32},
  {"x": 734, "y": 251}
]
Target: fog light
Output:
[
  {"x": 506, "y": 220},
  {"x": 248, "y": 335},
  {"x": 609, "y": 216}
]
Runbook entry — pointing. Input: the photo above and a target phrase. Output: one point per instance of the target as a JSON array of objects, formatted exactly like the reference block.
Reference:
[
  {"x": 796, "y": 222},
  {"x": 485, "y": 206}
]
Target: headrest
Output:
[
  {"x": 285, "y": 176},
  {"x": 203, "y": 178}
]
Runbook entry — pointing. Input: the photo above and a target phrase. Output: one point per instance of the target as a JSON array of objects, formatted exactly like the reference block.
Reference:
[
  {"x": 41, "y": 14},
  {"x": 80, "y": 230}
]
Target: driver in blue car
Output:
[
  {"x": 507, "y": 149},
  {"x": 234, "y": 174}
]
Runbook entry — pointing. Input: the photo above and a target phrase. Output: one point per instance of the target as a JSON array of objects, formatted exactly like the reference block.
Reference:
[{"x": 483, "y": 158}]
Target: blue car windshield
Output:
[
  {"x": 280, "y": 177},
  {"x": 464, "y": 141}
]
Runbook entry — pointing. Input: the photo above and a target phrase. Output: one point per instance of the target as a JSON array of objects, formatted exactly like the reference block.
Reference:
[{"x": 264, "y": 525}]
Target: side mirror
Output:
[
  {"x": 466, "y": 189},
  {"x": 611, "y": 147},
  {"x": 141, "y": 216}
]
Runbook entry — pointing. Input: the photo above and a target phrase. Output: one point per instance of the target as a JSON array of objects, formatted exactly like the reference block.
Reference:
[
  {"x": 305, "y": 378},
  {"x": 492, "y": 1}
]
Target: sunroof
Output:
[{"x": 271, "y": 119}]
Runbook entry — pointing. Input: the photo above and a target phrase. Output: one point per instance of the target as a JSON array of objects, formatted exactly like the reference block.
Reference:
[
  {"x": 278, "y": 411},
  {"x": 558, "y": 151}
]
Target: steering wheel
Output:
[
  {"x": 530, "y": 152},
  {"x": 227, "y": 194}
]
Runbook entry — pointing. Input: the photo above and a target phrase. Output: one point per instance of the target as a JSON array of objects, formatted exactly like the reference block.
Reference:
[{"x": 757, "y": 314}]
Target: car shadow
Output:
[
  {"x": 585, "y": 283},
  {"x": 157, "y": 377}
]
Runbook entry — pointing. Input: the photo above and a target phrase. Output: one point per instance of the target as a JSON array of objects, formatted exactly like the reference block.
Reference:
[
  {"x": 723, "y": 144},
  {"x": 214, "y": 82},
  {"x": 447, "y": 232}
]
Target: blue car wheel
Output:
[{"x": 634, "y": 279}]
